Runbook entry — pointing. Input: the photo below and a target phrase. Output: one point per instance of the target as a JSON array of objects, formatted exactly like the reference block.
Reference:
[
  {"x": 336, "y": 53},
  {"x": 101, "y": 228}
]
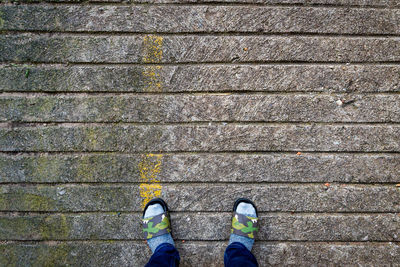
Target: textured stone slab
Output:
[
  {"x": 55, "y": 168},
  {"x": 202, "y": 108},
  {"x": 125, "y": 253},
  {"x": 76, "y": 254},
  {"x": 326, "y": 223},
  {"x": 217, "y": 137},
  {"x": 208, "y": 19},
  {"x": 203, "y": 197},
  {"x": 195, "y": 49},
  {"x": 201, "y": 226},
  {"x": 202, "y": 78},
  {"x": 361, "y": 3}
]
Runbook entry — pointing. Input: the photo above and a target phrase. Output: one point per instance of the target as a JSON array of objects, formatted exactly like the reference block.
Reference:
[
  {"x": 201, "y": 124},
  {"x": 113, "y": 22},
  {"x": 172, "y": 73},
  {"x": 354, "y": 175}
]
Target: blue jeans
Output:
[
  {"x": 235, "y": 255},
  {"x": 165, "y": 255},
  {"x": 238, "y": 255}
]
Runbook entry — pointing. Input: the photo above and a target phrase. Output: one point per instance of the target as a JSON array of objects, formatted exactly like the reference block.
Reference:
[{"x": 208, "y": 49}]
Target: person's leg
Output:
[
  {"x": 244, "y": 227},
  {"x": 165, "y": 255},
  {"x": 157, "y": 229},
  {"x": 236, "y": 254}
]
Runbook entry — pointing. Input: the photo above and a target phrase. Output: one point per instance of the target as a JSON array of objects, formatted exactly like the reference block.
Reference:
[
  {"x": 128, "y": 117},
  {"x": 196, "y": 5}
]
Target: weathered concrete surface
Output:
[
  {"x": 189, "y": 226},
  {"x": 167, "y": 19},
  {"x": 203, "y": 78},
  {"x": 27, "y": 47},
  {"x": 294, "y": 104},
  {"x": 124, "y": 253},
  {"x": 217, "y": 137},
  {"x": 185, "y": 197},
  {"x": 229, "y": 167},
  {"x": 347, "y": 3},
  {"x": 203, "y": 108}
]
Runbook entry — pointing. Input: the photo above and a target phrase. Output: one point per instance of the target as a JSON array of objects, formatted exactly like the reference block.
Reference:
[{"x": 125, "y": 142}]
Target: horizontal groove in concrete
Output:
[
  {"x": 231, "y": 34},
  {"x": 79, "y": 94},
  {"x": 372, "y": 4},
  {"x": 206, "y": 34},
  {"x": 27, "y": 63},
  {"x": 15, "y": 214},
  {"x": 253, "y": 152},
  {"x": 15, "y": 125}
]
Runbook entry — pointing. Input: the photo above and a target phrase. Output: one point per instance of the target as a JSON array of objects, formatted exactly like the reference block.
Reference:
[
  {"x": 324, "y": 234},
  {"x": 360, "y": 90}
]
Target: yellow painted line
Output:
[
  {"x": 149, "y": 168},
  {"x": 1, "y": 20},
  {"x": 148, "y": 192},
  {"x": 152, "y": 79},
  {"x": 152, "y": 49},
  {"x": 152, "y": 53},
  {"x": 150, "y": 165}
]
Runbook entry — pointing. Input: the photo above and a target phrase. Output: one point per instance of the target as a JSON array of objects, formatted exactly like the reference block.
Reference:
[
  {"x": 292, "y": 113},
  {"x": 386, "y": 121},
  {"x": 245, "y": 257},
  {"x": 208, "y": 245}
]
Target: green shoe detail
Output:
[
  {"x": 156, "y": 226},
  {"x": 244, "y": 225}
]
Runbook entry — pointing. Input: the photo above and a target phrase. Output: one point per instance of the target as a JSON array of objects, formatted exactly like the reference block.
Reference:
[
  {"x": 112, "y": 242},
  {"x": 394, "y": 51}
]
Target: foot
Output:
[
  {"x": 150, "y": 212},
  {"x": 246, "y": 230}
]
